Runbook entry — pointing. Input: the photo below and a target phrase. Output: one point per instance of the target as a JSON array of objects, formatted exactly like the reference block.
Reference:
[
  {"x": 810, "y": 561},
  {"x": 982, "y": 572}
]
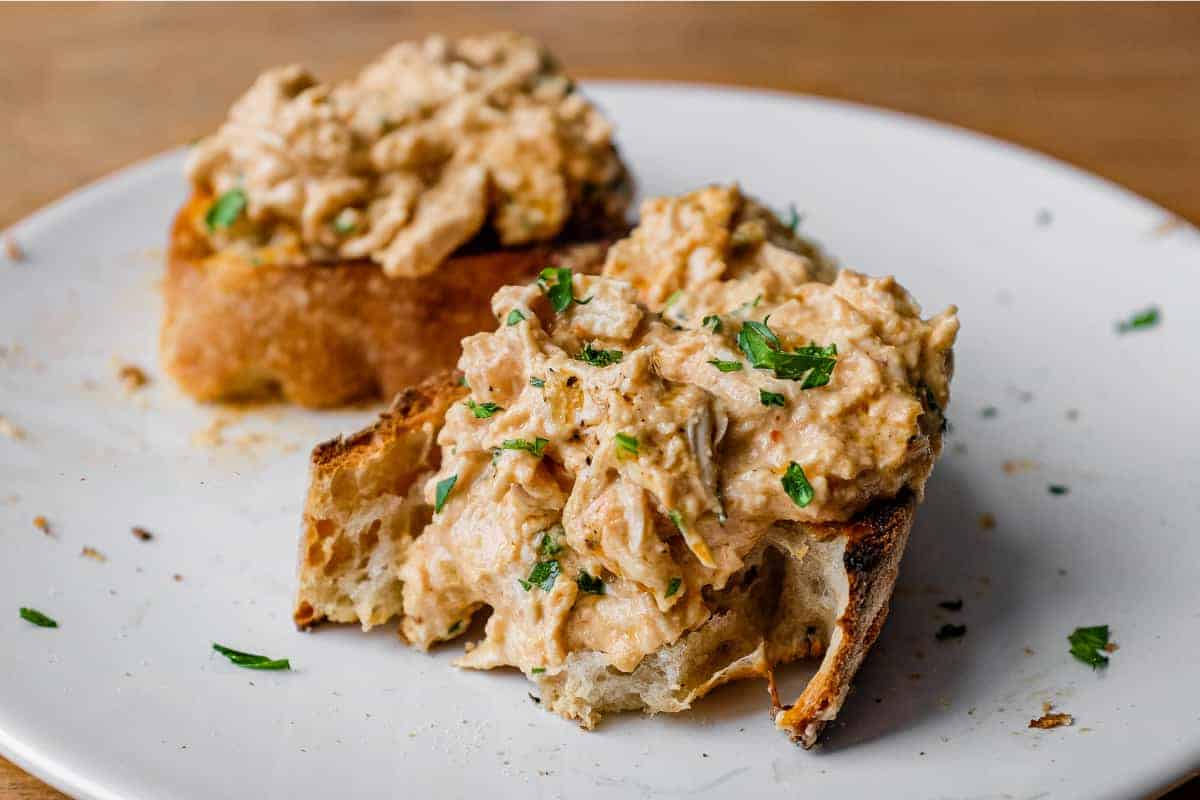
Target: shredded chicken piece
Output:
[
  {"x": 410, "y": 159},
  {"x": 651, "y": 472}
]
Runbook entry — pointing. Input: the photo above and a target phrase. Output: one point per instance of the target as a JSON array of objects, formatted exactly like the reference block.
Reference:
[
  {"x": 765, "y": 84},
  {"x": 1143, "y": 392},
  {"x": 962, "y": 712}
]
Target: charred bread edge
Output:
[{"x": 875, "y": 542}]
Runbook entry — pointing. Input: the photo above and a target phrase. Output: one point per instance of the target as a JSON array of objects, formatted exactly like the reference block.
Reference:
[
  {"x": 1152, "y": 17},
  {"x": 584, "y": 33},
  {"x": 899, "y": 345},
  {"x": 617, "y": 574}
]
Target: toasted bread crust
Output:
[
  {"x": 875, "y": 542},
  {"x": 325, "y": 335},
  {"x": 749, "y": 634},
  {"x": 360, "y": 506}
]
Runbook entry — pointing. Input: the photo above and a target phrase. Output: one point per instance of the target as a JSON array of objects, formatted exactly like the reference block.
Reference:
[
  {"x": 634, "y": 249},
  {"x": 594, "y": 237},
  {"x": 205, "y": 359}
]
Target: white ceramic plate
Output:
[{"x": 126, "y": 700}]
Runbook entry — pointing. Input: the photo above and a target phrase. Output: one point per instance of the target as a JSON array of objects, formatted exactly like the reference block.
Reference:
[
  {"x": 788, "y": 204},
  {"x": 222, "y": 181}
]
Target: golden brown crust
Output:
[
  {"x": 325, "y": 335},
  {"x": 356, "y": 507}
]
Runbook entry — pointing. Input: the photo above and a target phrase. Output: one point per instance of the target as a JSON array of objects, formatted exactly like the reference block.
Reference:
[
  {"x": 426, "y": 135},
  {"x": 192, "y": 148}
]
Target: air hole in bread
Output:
[
  {"x": 339, "y": 555},
  {"x": 343, "y": 488}
]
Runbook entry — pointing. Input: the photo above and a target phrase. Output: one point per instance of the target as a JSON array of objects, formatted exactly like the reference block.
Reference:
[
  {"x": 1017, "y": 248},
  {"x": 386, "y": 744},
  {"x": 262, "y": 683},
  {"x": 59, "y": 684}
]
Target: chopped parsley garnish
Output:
[
  {"x": 589, "y": 585},
  {"x": 543, "y": 575},
  {"x": 444, "y": 487},
  {"x": 1140, "y": 320},
  {"x": 1086, "y": 644},
  {"x": 949, "y": 631},
  {"x": 462, "y": 381},
  {"x": 771, "y": 398},
  {"x": 549, "y": 545},
  {"x": 1058, "y": 489},
  {"x": 537, "y": 383},
  {"x": 225, "y": 210},
  {"x": 534, "y": 448},
  {"x": 344, "y": 223},
  {"x": 796, "y": 484},
  {"x": 482, "y": 410},
  {"x": 988, "y": 412},
  {"x": 561, "y": 292},
  {"x": 626, "y": 444},
  {"x": 812, "y": 364},
  {"x": 726, "y": 366},
  {"x": 951, "y": 605},
  {"x": 37, "y": 618},
  {"x": 677, "y": 517},
  {"x": 673, "y": 586},
  {"x": 455, "y": 628},
  {"x": 793, "y": 221},
  {"x": 514, "y": 317},
  {"x": 599, "y": 358},
  {"x": 713, "y": 323},
  {"x": 673, "y": 298},
  {"x": 537, "y": 670},
  {"x": 251, "y": 660}
]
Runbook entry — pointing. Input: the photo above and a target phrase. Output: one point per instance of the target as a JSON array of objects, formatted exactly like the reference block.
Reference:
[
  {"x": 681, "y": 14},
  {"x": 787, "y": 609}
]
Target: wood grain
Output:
[{"x": 1113, "y": 89}]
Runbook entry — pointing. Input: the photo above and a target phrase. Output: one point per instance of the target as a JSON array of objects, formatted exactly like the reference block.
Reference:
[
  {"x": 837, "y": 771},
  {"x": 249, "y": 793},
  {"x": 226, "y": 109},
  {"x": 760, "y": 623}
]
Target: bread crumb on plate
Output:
[
  {"x": 93, "y": 553},
  {"x": 132, "y": 377},
  {"x": 10, "y": 429},
  {"x": 1048, "y": 720},
  {"x": 12, "y": 249}
]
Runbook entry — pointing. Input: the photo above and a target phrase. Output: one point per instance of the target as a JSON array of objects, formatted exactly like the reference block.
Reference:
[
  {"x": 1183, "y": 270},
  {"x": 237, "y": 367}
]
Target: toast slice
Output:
[
  {"x": 322, "y": 335},
  {"x": 807, "y": 591}
]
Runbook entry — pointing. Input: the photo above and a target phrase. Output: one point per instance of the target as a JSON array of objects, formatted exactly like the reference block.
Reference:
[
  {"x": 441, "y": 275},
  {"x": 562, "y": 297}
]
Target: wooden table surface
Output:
[{"x": 87, "y": 89}]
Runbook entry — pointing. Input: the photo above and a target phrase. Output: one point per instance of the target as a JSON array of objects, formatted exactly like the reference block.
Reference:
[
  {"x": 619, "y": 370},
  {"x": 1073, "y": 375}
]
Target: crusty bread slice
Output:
[
  {"x": 324, "y": 335},
  {"x": 806, "y": 591},
  {"x": 364, "y": 507}
]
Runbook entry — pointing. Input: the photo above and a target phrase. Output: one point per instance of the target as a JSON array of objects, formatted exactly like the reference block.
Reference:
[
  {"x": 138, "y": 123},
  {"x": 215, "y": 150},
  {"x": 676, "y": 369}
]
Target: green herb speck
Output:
[
  {"x": 444, "y": 487},
  {"x": 37, "y": 618}
]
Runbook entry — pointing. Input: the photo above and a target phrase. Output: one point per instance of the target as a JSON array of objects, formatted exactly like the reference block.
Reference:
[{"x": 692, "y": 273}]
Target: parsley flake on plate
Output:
[
  {"x": 514, "y": 317},
  {"x": 1058, "y": 489},
  {"x": 482, "y": 410},
  {"x": 225, "y": 210},
  {"x": 561, "y": 292},
  {"x": 796, "y": 484},
  {"x": 1086, "y": 644},
  {"x": 1140, "y": 320},
  {"x": 588, "y": 584},
  {"x": 537, "y": 383},
  {"x": 949, "y": 631},
  {"x": 534, "y": 448},
  {"x": 626, "y": 445},
  {"x": 37, "y": 618},
  {"x": 251, "y": 660},
  {"x": 599, "y": 358},
  {"x": 713, "y": 323},
  {"x": 673, "y": 586},
  {"x": 726, "y": 366},
  {"x": 543, "y": 575},
  {"x": 444, "y": 487}
]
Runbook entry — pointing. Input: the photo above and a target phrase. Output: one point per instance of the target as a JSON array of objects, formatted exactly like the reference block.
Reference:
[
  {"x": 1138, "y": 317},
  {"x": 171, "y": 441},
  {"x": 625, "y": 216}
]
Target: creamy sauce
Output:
[
  {"x": 659, "y": 473},
  {"x": 409, "y": 160}
]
